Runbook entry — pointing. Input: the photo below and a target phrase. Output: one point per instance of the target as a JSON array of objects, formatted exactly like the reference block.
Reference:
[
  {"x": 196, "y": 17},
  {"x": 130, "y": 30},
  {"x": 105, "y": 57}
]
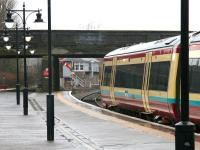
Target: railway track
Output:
[{"x": 94, "y": 99}]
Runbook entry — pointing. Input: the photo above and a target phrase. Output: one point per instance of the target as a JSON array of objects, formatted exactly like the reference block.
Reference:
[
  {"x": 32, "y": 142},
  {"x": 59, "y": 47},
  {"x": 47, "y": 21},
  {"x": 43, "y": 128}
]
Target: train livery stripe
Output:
[
  {"x": 194, "y": 103},
  {"x": 193, "y": 48},
  {"x": 156, "y": 52},
  {"x": 122, "y": 94},
  {"x": 162, "y": 99},
  {"x": 105, "y": 92},
  {"x": 128, "y": 95},
  {"x": 139, "y": 97},
  {"x": 151, "y": 98}
]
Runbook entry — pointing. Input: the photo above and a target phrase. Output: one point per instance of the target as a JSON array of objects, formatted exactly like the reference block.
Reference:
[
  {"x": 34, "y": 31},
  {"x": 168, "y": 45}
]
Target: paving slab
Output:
[
  {"x": 102, "y": 132},
  {"x": 19, "y": 132}
]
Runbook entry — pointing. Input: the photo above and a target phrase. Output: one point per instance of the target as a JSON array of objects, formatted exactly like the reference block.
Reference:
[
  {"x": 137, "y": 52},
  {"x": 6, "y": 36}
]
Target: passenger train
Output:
[{"x": 146, "y": 78}]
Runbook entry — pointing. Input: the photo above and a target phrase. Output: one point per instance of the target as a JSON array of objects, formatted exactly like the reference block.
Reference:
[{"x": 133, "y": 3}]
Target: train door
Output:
[
  {"x": 145, "y": 85},
  {"x": 157, "y": 98},
  {"x": 101, "y": 74},
  {"x": 112, "y": 82}
]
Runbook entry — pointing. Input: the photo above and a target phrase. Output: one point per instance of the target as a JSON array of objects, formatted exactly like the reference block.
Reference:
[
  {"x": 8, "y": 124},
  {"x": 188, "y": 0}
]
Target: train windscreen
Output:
[
  {"x": 194, "y": 74},
  {"x": 107, "y": 76}
]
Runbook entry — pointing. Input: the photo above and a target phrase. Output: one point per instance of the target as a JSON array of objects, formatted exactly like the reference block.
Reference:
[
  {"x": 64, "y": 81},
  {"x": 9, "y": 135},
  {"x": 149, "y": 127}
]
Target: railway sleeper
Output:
[{"x": 147, "y": 116}]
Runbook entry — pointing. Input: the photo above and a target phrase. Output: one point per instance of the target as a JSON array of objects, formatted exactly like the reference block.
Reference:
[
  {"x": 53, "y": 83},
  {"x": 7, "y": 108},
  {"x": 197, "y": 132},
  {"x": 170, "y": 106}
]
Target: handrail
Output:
[{"x": 81, "y": 81}]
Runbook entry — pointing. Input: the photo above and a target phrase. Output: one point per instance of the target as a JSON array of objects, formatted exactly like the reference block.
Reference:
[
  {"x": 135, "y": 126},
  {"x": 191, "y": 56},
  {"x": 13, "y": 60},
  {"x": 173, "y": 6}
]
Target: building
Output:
[{"x": 80, "y": 72}]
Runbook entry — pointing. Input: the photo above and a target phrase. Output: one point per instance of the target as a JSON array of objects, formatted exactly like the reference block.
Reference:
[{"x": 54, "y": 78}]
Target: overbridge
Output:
[{"x": 85, "y": 43}]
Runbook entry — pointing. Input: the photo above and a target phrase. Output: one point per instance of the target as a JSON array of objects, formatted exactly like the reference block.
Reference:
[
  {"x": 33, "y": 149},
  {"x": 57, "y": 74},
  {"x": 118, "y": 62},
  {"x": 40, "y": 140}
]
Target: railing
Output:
[{"x": 78, "y": 81}]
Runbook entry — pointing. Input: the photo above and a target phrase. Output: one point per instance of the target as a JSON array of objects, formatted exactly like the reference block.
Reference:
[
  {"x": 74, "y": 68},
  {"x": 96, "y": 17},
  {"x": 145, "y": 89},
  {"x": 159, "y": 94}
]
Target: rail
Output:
[{"x": 93, "y": 97}]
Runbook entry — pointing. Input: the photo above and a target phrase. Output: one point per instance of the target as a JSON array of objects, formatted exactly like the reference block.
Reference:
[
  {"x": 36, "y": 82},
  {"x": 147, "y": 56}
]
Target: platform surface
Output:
[
  {"x": 77, "y": 127},
  {"x": 102, "y": 131},
  {"x": 19, "y": 132}
]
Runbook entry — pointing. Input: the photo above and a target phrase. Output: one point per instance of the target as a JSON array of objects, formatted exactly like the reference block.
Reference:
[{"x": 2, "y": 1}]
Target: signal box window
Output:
[
  {"x": 159, "y": 76},
  {"x": 129, "y": 76},
  {"x": 107, "y": 76},
  {"x": 81, "y": 67},
  {"x": 76, "y": 67},
  {"x": 194, "y": 74}
]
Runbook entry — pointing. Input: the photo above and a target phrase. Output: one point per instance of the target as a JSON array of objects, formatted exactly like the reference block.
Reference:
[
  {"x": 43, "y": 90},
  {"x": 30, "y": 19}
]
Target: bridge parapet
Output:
[{"x": 86, "y": 42}]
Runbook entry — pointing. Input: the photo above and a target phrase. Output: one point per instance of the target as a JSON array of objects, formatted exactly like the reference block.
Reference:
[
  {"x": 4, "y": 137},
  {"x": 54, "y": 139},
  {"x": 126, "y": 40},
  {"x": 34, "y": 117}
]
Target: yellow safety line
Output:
[{"x": 93, "y": 113}]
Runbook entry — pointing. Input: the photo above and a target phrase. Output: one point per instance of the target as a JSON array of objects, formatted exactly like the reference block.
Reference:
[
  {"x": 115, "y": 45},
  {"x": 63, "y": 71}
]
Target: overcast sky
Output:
[{"x": 113, "y": 14}]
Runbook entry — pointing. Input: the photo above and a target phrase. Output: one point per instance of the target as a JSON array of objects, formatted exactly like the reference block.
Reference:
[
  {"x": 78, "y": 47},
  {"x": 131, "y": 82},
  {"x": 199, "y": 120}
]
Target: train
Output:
[{"x": 145, "y": 78}]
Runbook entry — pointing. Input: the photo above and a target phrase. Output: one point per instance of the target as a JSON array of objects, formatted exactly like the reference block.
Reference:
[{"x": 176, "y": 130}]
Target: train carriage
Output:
[
  {"x": 145, "y": 78},
  {"x": 194, "y": 77}
]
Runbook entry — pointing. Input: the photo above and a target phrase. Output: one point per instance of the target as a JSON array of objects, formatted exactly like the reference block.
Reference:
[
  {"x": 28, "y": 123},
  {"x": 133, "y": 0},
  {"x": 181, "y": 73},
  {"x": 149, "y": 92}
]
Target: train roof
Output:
[{"x": 167, "y": 42}]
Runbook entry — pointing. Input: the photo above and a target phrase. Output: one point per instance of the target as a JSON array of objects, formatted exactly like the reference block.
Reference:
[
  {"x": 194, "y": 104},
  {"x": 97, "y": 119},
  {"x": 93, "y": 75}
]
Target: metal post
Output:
[
  {"x": 17, "y": 79},
  {"x": 25, "y": 94},
  {"x": 50, "y": 98},
  {"x": 92, "y": 68},
  {"x": 184, "y": 134},
  {"x": 55, "y": 76}
]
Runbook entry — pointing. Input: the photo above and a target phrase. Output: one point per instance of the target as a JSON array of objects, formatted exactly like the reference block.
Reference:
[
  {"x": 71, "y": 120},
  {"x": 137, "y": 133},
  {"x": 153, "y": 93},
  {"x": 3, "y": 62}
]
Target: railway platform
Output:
[
  {"x": 77, "y": 126},
  {"x": 95, "y": 130}
]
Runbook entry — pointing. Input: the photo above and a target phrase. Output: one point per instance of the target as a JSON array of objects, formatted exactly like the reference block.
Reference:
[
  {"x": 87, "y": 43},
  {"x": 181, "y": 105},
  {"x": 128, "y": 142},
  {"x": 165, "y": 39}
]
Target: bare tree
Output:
[{"x": 5, "y": 4}]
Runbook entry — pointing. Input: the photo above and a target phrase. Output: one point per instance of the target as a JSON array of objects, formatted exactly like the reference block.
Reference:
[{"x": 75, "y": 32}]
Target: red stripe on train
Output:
[{"x": 140, "y": 55}]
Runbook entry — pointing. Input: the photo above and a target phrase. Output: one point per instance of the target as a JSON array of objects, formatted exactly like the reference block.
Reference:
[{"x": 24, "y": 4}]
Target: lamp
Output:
[
  {"x": 5, "y": 36},
  {"x": 8, "y": 46},
  {"x": 9, "y": 21},
  {"x": 28, "y": 36},
  {"x": 39, "y": 17},
  {"x": 18, "y": 52},
  {"x": 32, "y": 51},
  {"x": 26, "y": 46}
]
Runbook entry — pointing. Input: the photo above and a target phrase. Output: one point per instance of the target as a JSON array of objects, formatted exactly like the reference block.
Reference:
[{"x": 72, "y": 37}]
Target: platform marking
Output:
[
  {"x": 96, "y": 114},
  {"x": 64, "y": 130}
]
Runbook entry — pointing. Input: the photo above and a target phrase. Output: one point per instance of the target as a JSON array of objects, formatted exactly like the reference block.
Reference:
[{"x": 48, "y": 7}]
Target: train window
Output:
[
  {"x": 159, "y": 76},
  {"x": 194, "y": 74},
  {"x": 195, "y": 38},
  {"x": 121, "y": 79},
  {"x": 107, "y": 76},
  {"x": 129, "y": 76}
]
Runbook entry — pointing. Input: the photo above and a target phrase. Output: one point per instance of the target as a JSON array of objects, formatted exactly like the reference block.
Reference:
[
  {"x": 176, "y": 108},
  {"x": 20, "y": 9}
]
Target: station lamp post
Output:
[
  {"x": 6, "y": 39},
  {"x": 184, "y": 130},
  {"x": 8, "y": 46},
  {"x": 9, "y": 24},
  {"x": 50, "y": 97}
]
